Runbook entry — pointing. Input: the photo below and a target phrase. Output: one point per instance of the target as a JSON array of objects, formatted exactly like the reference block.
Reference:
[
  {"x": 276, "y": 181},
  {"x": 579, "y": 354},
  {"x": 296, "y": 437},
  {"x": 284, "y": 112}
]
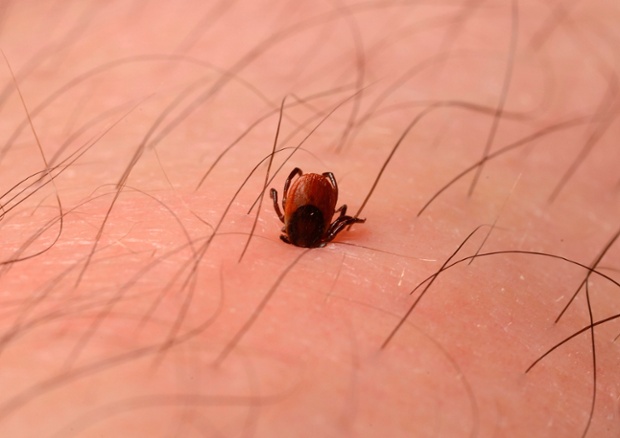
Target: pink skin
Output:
[{"x": 124, "y": 328}]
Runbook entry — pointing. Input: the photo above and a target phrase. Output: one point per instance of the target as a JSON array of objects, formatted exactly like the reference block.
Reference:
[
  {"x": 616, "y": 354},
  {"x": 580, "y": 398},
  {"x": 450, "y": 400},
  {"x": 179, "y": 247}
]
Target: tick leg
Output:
[
  {"x": 342, "y": 210},
  {"x": 332, "y": 179},
  {"x": 296, "y": 171},
  {"x": 284, "y": 239},
  {"x": 339, "y": 224},
  {"x": 274, "y": 196}
]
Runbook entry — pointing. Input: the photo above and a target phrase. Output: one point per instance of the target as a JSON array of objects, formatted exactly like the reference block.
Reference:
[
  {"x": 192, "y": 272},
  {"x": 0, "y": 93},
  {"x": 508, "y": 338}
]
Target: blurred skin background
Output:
[{"x": 139, "y": 297}]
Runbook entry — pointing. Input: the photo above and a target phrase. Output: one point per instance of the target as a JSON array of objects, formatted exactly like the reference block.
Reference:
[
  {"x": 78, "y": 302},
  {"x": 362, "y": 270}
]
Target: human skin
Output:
[{"x": 143, "y": 313}]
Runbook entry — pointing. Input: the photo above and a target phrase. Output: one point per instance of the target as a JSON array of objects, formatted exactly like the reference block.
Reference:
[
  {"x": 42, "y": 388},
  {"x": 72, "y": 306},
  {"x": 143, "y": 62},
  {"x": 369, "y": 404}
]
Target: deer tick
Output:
[{"x": 309, "y": 205}]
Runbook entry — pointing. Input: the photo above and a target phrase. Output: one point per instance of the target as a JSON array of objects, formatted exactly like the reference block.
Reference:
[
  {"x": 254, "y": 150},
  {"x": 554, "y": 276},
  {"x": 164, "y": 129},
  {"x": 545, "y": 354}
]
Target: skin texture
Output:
[{"x": 148, "y": 310}]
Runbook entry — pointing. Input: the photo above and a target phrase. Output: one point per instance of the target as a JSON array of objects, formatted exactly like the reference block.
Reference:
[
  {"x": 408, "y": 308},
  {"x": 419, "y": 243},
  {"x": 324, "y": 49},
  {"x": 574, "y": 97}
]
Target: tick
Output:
[{"x": 309, "y": 205}]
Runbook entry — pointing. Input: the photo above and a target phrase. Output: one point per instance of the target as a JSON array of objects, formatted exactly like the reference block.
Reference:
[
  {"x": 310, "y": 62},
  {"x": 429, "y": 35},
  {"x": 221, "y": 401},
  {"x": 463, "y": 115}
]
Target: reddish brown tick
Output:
[{"x": 309, "y": 206}]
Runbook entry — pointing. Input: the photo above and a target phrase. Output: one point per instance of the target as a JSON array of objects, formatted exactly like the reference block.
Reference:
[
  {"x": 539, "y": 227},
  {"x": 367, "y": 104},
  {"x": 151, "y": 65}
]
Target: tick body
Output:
[{"x": 309, "y": 205}]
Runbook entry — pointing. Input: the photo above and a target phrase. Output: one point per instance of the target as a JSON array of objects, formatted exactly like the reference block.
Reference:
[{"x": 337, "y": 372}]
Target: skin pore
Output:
[{"x": 139, "y": 297}]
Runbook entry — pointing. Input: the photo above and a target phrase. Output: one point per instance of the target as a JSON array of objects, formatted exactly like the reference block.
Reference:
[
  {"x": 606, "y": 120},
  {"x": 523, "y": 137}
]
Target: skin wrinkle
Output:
[{"x": 139, "y": 318}]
